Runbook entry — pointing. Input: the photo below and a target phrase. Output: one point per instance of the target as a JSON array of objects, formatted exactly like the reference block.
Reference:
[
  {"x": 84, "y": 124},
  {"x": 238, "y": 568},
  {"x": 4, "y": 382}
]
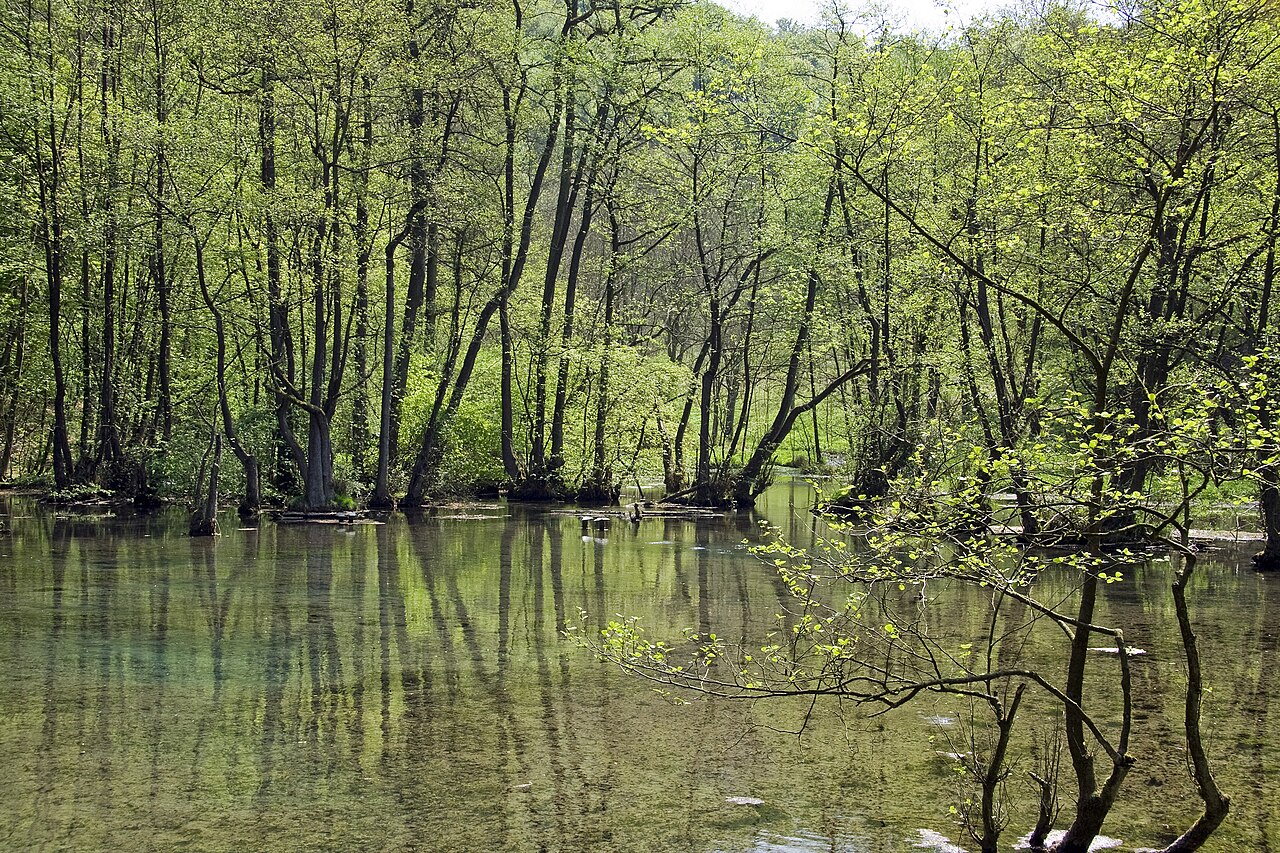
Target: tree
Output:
[{"x": 857, "y": 625}]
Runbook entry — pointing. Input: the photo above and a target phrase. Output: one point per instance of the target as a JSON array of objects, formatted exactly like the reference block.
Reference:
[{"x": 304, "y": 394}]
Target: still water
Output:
[{"x": 406, "y": 687}]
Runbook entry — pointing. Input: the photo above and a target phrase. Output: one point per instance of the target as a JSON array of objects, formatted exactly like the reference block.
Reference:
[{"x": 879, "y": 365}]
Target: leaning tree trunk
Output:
[
  {"x": 566, "y": 199},
  {"x": 1269, "y": 495},
  {"x": 750, "y": 481}
]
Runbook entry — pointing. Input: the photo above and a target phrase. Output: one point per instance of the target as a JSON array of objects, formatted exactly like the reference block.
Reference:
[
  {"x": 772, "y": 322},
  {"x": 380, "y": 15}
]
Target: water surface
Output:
[{"x": 405, "y": 687}]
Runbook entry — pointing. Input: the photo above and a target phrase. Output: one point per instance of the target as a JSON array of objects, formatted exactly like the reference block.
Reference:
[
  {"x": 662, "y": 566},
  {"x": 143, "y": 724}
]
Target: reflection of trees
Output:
[
  {"x": 279, "y": 648},
  {"x": 554, "y": 687},
  {"x": 702, "y": 536},
  {"x": 557, "y": 572},
  {"x": 672, "y": 531},
  {"x": 215, "y": 598},
  {"x": 470, "y": 636},
  {"x": 106, "y": 608},
  {"x": 391, "y": 622},
  {"x": 271, "y": 662},
  {"x": 426, "y": 557},
  {"x": 359, "y": 570},
  {"x": 48, "y": 749},
  {"x": 324, "y": 663}
]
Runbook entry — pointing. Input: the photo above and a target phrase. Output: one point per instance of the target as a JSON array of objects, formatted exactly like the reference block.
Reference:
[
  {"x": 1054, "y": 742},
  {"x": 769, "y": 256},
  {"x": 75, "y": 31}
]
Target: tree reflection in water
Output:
[{"x": 405, "y": 686}]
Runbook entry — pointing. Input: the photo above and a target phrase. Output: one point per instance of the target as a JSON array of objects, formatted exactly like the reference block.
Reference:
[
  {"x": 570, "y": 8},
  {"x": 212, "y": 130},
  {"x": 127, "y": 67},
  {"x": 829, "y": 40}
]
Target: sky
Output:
[{"x": 910, "y": 14}]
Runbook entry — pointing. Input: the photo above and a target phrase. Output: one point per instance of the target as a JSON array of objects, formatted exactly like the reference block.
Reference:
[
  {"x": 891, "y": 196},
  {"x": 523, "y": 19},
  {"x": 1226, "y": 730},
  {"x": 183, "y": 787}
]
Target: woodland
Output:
[
  {"x": 1008, "y": 285},
  {"x": 387, "y": 251}
]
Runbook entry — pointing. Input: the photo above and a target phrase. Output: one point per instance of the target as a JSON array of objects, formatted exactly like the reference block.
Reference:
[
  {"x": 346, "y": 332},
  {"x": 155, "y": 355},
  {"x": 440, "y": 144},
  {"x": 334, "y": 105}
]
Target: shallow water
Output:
[{"x": 405, "y": 687}]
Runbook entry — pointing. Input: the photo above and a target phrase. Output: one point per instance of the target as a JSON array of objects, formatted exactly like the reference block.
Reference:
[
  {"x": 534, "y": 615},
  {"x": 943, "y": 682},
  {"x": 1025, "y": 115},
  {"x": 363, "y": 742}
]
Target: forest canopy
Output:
[{"x": 391, "y": 250}]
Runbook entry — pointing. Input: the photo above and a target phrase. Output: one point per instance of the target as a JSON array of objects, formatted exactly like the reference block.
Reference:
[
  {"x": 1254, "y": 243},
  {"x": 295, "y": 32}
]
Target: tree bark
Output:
[
  {"x": 289, "y": 453},
  {"x": 253, "y": 490},
  {"x": 1216, "y": 804},
  {"x": 204, "y": 520},
  {"x": 1269, "y": 502},
  {"x": 159, "y": 272},
  {"x": 11, "y": 370},
  {"x": 556, "y": 458},
  {"x": 360, "y": 405},
  {"x": 49, "y": 173},
  {"x": 599, "y": 486}
]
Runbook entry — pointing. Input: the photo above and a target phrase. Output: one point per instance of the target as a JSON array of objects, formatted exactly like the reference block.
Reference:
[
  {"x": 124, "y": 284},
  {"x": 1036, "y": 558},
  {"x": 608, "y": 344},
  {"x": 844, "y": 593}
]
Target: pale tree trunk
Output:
[
  {"x": 253, "y": 490},
  {"x": 204, "y": 518}
]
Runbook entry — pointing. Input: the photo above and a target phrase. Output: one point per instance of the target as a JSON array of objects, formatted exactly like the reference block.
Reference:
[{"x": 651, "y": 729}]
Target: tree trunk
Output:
[
  {"x": 599, "y": 486},
  {"x": 109, "y": 448},
  {"x": 253, "y": 490},
  {"x": 566, "y": 198},
  {"x": 556, "y": 460},
  {"x": 1216, "y": 804},
  {"x": 158, "y": 270},
  {"x": 289, "y": 453},
  {"x": 430, "y": 452},
  {"x": 1269, "y": 503},
  {"x": 12, "y": 374},
  {"x": 204, "y": 520},
  {"x": 382, "y": 496},
  {"x": 706, "y": 491},
  {"x": 510, "y": 464},
  {"x": 1269, "y": 490},
  {"x": 51, "y": 237},
  {"x": 85, "y": 463},
  {"x": 989, "y": 840},
  {"x": 317, "y": 476},
  {"x": 360, "y": 405}
]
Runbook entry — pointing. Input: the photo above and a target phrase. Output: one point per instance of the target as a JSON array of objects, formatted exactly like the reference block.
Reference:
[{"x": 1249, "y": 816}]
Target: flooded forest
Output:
[{"x": 569, "y": 425}]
